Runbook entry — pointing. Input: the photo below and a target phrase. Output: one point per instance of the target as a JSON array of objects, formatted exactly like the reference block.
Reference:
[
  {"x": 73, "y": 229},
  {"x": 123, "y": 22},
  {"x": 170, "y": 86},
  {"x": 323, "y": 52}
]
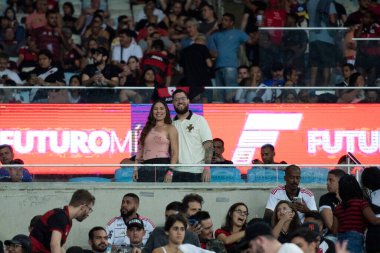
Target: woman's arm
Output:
[
  {"x": 173, "y": 137},
  {"x": 231, "y": 238},
  {"x": 335, "y": 225},
  {"x": 370, "y": 216}
]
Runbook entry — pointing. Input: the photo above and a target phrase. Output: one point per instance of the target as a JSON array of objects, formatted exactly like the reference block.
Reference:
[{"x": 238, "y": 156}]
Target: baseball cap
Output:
[
  {"x": 101, "y": 50},
  {"x": 23, "y": 240},
  {"x": 254, "y": 230},
  {"x": 311, "y": 226},
  {"x": 137, "y": 223}
]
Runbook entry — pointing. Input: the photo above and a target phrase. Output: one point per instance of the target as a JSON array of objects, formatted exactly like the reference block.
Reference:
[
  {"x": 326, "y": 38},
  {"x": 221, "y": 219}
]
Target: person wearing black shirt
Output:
[{"x": 218, "y": 152}]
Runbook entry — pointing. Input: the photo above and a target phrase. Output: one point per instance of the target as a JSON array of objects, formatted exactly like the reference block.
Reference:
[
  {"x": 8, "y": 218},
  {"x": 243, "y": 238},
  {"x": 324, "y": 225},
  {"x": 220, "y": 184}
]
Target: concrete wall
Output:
[{"x": 20, "y": 202}]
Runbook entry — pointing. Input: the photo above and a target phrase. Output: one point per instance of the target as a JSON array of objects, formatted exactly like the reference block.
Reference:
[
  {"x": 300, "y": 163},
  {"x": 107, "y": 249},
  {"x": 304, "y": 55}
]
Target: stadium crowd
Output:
[
  {"x": 292, "y": 222},
  {"x": 171, "y": 43}
]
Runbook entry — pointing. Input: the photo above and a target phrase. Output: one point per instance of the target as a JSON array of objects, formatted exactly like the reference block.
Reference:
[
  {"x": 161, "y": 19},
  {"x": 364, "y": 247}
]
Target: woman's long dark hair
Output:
[
  {"x": 151, "y": 122},
  {"x": 228, "y": 226},
  {"x": 295, "y": 223},
  {"x": 370, "y": 181},
  {"x": 349, "y": 189}
]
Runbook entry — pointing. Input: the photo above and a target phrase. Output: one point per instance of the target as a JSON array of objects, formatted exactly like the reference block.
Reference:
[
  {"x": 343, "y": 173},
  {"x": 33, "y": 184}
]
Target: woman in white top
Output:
[
  {"x": 158, "y": 144},
  {"x": 175, "y": 228}
]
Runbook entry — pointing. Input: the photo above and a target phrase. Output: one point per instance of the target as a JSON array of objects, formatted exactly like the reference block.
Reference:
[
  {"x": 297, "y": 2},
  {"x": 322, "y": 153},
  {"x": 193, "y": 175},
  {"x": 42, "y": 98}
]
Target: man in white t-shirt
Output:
[
  {"x": 7, "y": 76},
  {"x": 302, "y": 198},
  {"x": 259, "y": 239},
  {"x": 117, "y": 228},
  {"x": 127, "y": 48},
  {"x": 195, "y": 141}
]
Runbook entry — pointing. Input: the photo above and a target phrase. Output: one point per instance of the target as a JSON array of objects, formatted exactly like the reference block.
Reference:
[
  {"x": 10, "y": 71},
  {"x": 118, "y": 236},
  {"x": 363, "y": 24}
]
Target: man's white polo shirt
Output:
[{"x": 192, "y": 133}]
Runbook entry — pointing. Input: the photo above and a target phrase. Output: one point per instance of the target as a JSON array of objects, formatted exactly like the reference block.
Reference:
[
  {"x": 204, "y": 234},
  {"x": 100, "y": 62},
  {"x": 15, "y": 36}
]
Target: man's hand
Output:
[
  {"x": 196, "y": 228},
  {"x": 301, "y": 207},
  {"x": 168, "y": 177},
  {"x": 206, "y": 175}
]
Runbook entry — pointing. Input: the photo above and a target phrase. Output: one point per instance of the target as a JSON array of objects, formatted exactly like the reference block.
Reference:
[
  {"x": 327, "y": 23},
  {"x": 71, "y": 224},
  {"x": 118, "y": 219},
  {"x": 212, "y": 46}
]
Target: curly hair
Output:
[{"x": 151, "y": 122}]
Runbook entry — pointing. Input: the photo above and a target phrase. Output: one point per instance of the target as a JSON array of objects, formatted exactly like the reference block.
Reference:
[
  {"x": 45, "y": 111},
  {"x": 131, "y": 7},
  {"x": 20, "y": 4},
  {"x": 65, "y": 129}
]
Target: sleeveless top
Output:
[{"x": 156, "y": 145}]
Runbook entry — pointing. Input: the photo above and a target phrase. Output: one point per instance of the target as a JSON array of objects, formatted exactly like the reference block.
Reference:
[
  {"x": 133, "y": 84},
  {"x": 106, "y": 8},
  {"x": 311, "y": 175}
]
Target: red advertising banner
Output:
[{"x": 102, "y": 134}]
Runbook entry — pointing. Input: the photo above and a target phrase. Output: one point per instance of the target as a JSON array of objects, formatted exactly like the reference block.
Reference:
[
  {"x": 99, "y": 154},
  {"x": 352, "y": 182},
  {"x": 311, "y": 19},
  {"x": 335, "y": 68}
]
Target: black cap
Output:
[
  {"x": 101, "y": 50},
  {"x": 136, "y": 223},
  {"x": 22, "y": 240},
  {"x": 252, "y": 231}
]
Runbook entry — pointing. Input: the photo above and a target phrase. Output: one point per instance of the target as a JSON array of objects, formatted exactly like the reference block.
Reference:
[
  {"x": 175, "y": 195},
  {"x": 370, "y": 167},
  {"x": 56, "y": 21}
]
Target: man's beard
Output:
[
  {"x": 182, "y": 111},
  {"x": 97, "y": 248},
  {"x": 128, "y": 213}
]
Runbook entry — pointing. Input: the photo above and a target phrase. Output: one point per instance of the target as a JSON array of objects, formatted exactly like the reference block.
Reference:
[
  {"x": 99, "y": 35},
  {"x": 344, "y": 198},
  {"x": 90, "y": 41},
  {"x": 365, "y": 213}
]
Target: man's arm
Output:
[
  {"x": 55, "y": 242},
  {"x": 268, "y": 215},
  {"x": 209, "y": 150}
]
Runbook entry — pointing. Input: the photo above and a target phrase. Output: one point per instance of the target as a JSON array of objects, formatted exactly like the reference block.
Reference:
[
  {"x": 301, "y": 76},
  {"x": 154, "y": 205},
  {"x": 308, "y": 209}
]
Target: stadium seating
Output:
[
  {"x": 225, "y": 175},
  {"x": 124, "y": 174},
  {"x": 314, "y": 175},
  {"x": 89, "y": 179},
  {"x": 265, "y": 175}
]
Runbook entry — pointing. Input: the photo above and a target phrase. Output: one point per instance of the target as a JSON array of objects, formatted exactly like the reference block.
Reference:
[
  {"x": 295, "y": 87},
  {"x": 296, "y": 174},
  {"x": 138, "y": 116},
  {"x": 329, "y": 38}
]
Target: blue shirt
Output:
[
  {"x": 226, "y": 43},
  {"x": 26, "y": 177}
]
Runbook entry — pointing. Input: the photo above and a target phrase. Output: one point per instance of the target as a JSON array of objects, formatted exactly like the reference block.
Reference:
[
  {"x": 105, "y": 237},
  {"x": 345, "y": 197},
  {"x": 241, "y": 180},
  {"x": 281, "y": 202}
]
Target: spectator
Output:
[
  {"x": 289, "y": 96},
  {"x": 285, "y": 220},
  {"x": 233, "y": 229},
  {"x": 158, "y": 237},
  {"x": 206, "y": 235},
  {"x": 176, "y": 10},
  {"x": 131, "y": 73},
  {"x": 8, "y": 77},
  {"x": 290, "y": 77},
  {"x": 303, "y": 198},
  {"x": 89, "y": 12},
  {"x": 276, "y": 80},
  {"x": 159, "y": 61},
  {"x": 76, "y": 96},
  {"x": 322, "y": 43},
  {"x": 37, "y": 19},
  {"x": 15, "y": 173},
  {"x": 217, "y": 157},
  {"x": 347, "y": 70},
  {"x": 195, "y": 141},
  {"x": 97, "y": 32},
  {"x": 367, "y": 54},
  {"x": 158, "y": 144},
  {"x": 371, "y": 96},
  {"x": 243, "y": 72},
  {"x": 353, "y": 96},
  {"x": 10, "y": 13},
  {"x": 50, "y": 37},
  {"x": 314, "y": 222},
  {"x": 352, "y": 214},
  {"x": 126, "y": 49},
  {"x": 117, "y": 227},
  {"x": 259, "y": 239},
  {"x": 192, "y": 26},
  {"x": 194, "y": 8},
  {"x": 18, "y": 244},
  {"x": 68, "y": 16},
  {"x": 10, "y": 43},
  {"x": 330, "y": 200},
  {"x": 371, "y": 184},
  {"x": 72, "y": 55},
  {"x": 52, "y": 229},
  {"x": 28, "y": 55},
  {"x": 294, "y": 44},
  {"x": 192, "y": 204},
  {"x": 224, "y": 46},
  {"x": 46, "y": 74},
  {"x": 156, "y": 12},
  {"x": 175, "y": 228},
  {"x": 100, "y": 74},
  {"x": 196, "y": 62},
  {"x": 135, "y": 233},
  {"x": 6, "y": 157},
  {"x": 97, "y": 239},
  {"x": 305, "y": 239},
  {"x": 355, "y": 17},
  {"x": 209, "y": 23},
  {"x": 151, "y": 33},
  {"x": 148, "y": 79},
  {"x": 33, "y": 222},
  {"x": 267, "y": 155}
]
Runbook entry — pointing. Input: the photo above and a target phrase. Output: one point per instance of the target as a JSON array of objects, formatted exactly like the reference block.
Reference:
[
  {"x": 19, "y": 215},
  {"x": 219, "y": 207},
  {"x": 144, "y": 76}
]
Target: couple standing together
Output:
[{"x": 186, "y": 139}]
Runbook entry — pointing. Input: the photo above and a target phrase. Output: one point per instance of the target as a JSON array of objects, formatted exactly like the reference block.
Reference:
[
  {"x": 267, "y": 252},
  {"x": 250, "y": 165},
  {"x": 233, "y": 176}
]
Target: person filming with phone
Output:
[{"x": 302, "y": 198}]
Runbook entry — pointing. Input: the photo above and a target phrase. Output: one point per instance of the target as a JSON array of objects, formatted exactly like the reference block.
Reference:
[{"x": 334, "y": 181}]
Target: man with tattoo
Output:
[{"x": 195, "y": 142}]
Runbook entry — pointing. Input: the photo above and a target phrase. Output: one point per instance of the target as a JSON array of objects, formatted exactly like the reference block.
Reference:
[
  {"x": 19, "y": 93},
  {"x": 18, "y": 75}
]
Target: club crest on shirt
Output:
[{"x": 190, "y": 128}]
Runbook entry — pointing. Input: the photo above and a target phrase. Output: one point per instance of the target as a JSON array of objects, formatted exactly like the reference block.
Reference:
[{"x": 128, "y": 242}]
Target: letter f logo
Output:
[{"x": 260, "y": 129}]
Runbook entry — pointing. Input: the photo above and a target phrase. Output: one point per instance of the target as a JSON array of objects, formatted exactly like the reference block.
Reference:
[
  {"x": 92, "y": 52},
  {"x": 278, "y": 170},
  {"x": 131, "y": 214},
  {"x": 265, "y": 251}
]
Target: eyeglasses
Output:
[
  {"x": 89, "y": 209},
  {"x": 13, "y": 245},
  {"x": 180, "y": 99},
  {"x": 244, "y": 213}
]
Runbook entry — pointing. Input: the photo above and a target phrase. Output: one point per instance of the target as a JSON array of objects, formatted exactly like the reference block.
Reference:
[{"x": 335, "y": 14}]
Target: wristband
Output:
[
  {"x": 206, "y": 168},
  {"x": 169, "y": 172}
]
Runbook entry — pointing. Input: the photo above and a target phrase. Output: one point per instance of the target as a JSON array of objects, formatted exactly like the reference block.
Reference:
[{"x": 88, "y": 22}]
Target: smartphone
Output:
[
  {"x": 192, "y": 222},
  {"x": 297, "y": 199}
]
